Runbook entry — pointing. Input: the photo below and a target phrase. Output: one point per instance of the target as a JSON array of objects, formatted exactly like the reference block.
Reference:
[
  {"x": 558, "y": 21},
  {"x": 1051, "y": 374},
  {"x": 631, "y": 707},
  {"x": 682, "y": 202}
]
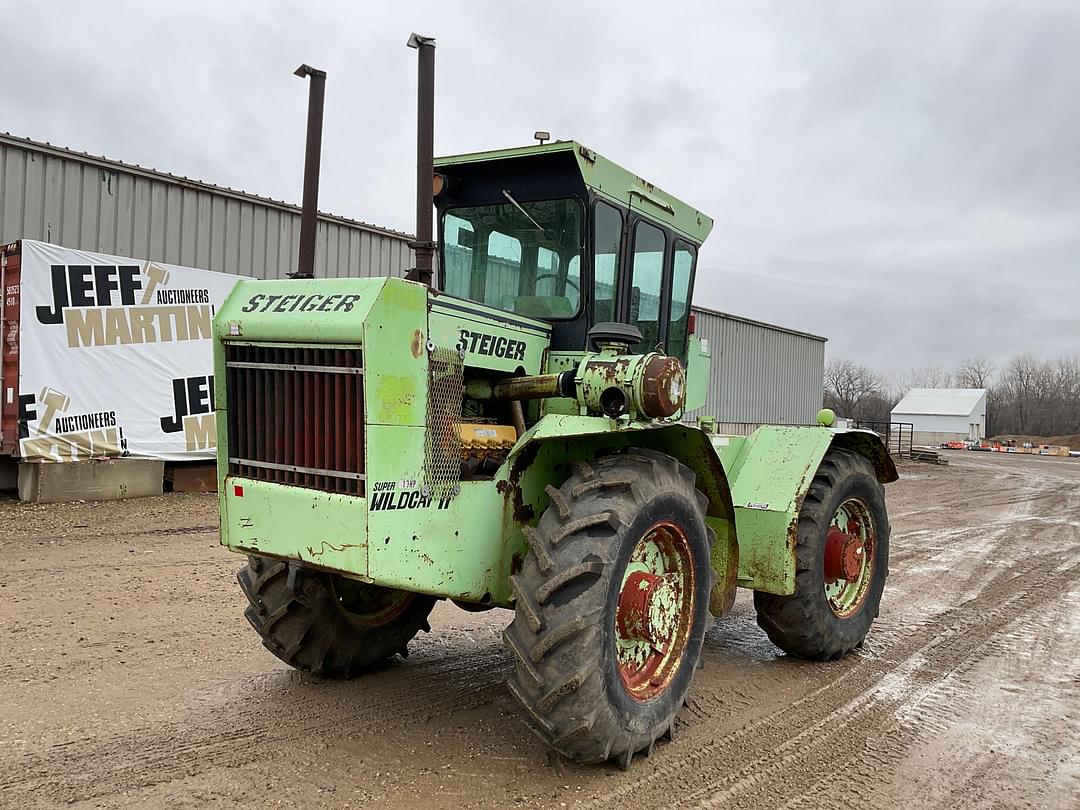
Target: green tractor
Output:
[{"x": 510, "y": 436}]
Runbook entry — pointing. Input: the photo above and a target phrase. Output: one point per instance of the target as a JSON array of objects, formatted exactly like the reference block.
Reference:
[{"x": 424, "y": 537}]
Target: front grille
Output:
[
  {"x": 442, "y": 445},
  {"x": 296, "y": 416}
]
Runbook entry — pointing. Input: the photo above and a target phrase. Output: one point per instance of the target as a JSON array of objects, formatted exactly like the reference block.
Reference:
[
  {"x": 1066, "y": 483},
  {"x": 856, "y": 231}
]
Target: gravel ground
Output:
[{"x": 130, "y": 677}]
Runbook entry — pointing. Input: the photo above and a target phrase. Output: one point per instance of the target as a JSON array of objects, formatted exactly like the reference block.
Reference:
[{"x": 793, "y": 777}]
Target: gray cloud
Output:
[{"x": 901, "y": 178}]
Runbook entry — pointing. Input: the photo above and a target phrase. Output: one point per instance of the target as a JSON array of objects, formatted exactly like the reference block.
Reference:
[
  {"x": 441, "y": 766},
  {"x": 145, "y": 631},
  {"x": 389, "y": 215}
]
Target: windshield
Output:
[{"x": 522, "y": 257}]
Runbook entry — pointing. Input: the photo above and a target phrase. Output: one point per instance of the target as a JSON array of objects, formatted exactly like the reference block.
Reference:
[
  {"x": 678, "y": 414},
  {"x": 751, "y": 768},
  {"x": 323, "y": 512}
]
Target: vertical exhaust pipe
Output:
[
  {"x": 305, "y": 267},
  {"x": 424, "y": 246}
]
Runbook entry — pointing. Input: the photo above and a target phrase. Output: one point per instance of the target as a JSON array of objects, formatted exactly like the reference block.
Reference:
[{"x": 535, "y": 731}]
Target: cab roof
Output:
[{"x": 608, "y": 180}]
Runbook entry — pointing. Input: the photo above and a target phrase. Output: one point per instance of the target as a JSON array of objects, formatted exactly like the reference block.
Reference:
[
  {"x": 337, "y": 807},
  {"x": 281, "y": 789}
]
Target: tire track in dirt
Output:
[
  {"x": 930, "y": 713},
  {"x": 773, "y": 745},
  {"x": 257, "y": 729},
  {"x": 1036, "y": 673},
  {"x": 873, "y": 714},
  {"x": 77, "y": 534},
  {"x": 907, "y": 591},
  {"x": 882, "y": 728},
  {"x": 19, "y": 575},
  {"x": 920, "y": 704},
  {"x": 757, "y": 782}
]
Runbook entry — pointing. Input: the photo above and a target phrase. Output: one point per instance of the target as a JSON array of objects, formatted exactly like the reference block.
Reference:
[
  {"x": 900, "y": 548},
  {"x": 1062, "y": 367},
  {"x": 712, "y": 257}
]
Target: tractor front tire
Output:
[
  {"x": 611, "y": 606},
  {"x": 842, "y": 560},
  {"x": 325, "y": 624}
]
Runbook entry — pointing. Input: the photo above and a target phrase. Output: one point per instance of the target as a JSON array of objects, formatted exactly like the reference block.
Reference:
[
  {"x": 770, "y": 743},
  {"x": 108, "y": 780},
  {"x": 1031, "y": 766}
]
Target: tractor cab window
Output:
[
  {"x": 681, "y": 283},
  {"x": 517, "y": 256},
  {"x": 647, "y": 274},
  {"x": 607, "y": 238}
]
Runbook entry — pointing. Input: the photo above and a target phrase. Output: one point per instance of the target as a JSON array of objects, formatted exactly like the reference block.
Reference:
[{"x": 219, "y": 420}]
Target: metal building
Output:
[
  {"x": 761, "y": 374},
  {"x": 92, "y": 203},
  {"x": 943, "y": 414}
]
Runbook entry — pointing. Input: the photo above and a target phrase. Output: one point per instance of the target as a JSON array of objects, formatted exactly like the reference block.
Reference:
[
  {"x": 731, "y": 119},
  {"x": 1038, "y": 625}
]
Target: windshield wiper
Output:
[{"x": 517, "y": 205}]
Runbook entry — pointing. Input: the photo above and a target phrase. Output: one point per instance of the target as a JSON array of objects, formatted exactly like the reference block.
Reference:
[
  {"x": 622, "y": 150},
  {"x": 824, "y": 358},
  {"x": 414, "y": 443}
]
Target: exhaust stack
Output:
[
  {"x": 424, "y": 246},
  {"x": 305, "y": 267}
]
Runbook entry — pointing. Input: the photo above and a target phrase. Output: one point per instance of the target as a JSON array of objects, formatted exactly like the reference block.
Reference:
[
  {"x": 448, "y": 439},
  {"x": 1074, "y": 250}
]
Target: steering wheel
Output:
[{"x": 570, "y": 281}]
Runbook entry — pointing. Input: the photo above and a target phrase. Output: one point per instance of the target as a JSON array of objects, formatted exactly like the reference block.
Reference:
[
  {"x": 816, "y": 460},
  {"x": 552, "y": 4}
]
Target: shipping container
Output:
[
  {"x": 106, "y": 356},
  {"x": 9, "y": 364}
]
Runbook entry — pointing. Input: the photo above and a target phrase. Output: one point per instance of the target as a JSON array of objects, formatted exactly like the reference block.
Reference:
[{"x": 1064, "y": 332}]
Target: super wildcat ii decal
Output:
[{"x": 385, "y": 496}]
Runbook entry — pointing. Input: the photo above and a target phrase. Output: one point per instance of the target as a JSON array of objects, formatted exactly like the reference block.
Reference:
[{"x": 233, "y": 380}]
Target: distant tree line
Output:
[{"x": 1027, "y": 396}]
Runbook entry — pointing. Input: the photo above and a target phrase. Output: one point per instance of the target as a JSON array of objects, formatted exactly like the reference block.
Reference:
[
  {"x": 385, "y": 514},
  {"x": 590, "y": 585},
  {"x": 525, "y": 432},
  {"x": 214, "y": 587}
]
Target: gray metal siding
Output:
[
  {"x": 90, "y": 203},
  {"x": 761, "y": 374}
]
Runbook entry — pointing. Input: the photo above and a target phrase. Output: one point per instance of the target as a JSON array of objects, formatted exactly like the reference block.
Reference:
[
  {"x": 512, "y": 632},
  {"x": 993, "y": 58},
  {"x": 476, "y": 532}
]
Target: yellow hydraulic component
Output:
[{"x": 483, "y": 439}]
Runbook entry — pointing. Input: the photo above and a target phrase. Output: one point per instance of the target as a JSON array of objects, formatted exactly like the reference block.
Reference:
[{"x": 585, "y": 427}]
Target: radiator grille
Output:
[
  {"x": 442, "y": 445},
  {"x": 296, "y": 416}
]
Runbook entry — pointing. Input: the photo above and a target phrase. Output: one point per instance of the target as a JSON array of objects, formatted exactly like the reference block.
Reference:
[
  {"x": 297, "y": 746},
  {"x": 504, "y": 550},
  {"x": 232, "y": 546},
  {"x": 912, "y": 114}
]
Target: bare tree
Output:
[
  {"x": 1036, "y": 398},
  {"x": 920, "y": 377},
  {"x": 1028, "y": 396},
  {"x": 854, "y": 391},
  {"x": 974, "y": 372},
  {"x": 1017, "y": 393}
]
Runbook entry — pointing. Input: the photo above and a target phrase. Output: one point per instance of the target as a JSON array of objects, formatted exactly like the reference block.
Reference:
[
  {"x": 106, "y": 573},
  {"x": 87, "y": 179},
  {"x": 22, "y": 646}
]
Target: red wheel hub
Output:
[
  {"x": 370, "y": 605},
  {"x": 849, "y": 553},
  {"x": 654, "y": 611},
  {"x": 648, "y": 608},
  {"x": 843, "y": 555}
]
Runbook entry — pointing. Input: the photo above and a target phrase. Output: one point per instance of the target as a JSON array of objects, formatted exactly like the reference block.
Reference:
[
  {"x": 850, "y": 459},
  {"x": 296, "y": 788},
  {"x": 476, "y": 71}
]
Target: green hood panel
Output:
[{"x": 303, "y": 310}]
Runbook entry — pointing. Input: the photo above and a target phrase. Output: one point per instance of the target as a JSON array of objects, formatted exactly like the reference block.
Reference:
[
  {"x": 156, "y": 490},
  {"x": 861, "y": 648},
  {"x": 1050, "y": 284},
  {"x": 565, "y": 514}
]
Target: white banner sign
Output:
[{"x": 116, "y": 356}]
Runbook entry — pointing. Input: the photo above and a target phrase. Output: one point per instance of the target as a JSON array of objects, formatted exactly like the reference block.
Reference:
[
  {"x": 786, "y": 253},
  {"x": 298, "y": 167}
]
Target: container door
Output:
[{"x": 9, "y": 351}]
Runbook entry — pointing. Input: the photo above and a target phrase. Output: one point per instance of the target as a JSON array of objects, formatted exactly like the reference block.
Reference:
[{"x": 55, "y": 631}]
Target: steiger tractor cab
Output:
[{"x": 510, "y": 436}]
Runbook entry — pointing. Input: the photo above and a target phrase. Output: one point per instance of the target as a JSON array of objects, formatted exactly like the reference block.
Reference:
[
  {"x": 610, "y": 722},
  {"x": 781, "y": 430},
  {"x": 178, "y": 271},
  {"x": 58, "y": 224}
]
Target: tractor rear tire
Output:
[
  {"x": 326, "y": 624},
  {"x": 831, "y": 611},
  {"x": 612, "y": 604}
]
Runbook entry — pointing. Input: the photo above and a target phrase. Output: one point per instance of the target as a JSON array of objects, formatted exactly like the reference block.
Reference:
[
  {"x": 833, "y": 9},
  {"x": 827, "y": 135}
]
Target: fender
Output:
[
  {"x": 770, "y": 472},
  {"x": 870, "y": 446},
  {"x": 543, "y": 455}
]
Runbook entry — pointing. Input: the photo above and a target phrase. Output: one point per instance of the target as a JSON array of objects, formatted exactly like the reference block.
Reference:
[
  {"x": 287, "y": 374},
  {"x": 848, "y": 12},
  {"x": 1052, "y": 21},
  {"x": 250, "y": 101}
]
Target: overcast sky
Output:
[{"x": 903, "y": 178}]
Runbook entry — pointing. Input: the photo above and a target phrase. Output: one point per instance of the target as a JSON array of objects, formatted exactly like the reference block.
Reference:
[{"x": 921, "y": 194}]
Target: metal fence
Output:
[{"x": 898, "y": 436}]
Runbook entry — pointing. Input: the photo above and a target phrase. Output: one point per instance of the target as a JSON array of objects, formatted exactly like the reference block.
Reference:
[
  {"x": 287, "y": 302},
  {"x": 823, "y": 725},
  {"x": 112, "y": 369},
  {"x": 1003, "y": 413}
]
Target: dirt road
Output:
[{"x": 129, "y": 678}]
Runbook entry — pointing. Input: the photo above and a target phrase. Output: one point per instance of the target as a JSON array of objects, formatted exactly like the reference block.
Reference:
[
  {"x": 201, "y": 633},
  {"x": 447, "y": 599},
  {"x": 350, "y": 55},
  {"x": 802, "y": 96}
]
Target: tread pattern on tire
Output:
[
  {"x": 561, "y": 592},
  {"x": 802, "y": 624},
  {"x": 295, "y": 612}
]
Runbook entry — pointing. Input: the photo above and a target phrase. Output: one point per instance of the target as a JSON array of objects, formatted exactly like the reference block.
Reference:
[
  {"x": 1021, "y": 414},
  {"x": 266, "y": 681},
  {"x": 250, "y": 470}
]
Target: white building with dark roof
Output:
[{"x": 943, "y": 414}]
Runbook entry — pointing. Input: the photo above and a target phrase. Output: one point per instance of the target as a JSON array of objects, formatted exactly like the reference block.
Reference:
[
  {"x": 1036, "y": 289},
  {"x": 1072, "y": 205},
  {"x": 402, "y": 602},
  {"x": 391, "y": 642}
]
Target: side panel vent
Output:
[
  {"x": 296, "y": 416},
  {"x": 442, "y": 445}
]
